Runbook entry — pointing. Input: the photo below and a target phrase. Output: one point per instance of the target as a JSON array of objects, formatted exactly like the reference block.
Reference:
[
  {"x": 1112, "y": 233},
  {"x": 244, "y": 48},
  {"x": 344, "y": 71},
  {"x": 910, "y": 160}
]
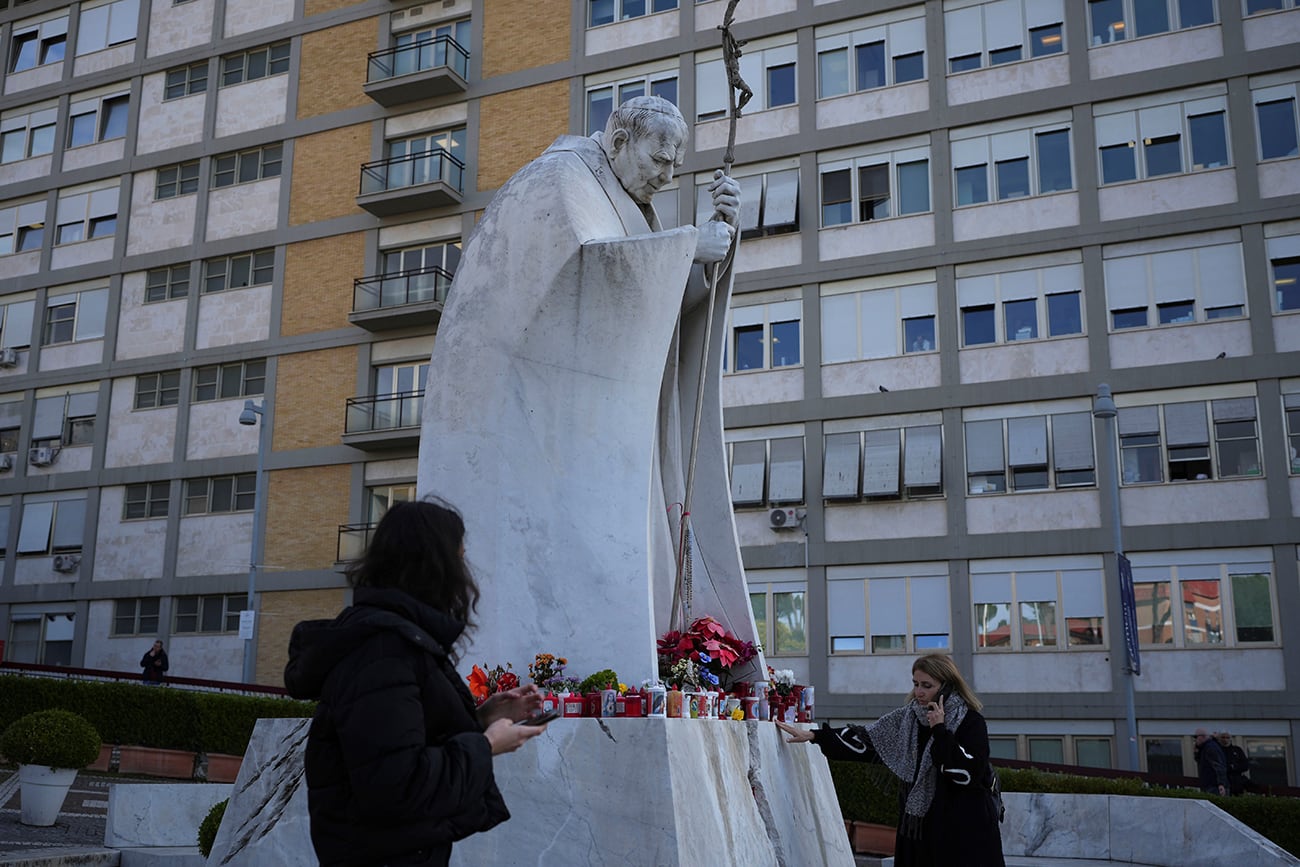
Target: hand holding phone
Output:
[{"x": 540, "y": 719}]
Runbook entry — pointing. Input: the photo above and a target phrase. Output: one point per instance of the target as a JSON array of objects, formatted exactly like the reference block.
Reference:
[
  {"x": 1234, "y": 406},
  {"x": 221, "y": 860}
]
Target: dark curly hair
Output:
[{"x": 417, "y": 548}]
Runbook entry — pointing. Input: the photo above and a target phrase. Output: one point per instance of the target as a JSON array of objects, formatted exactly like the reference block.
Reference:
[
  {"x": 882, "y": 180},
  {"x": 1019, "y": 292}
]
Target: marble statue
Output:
[{"x": 561, "y": 400}]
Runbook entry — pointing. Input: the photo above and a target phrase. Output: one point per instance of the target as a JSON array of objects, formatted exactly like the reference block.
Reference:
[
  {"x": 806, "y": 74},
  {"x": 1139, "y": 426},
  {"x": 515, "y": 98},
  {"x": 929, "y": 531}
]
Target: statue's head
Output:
[{"x": 645, "y": 140}]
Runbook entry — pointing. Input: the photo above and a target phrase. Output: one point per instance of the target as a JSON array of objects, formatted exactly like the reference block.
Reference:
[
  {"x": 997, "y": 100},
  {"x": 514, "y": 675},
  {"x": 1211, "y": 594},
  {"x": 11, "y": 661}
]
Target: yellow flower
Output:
[
  {"x": 622, "y": 689},
  {"x": 738, "y": 714}
]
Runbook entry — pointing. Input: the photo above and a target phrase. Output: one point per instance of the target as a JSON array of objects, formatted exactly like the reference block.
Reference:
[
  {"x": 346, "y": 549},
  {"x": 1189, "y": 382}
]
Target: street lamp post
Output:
[
  {"x": 1104, "y": 408},
  {"x": 252, "y": 414}
]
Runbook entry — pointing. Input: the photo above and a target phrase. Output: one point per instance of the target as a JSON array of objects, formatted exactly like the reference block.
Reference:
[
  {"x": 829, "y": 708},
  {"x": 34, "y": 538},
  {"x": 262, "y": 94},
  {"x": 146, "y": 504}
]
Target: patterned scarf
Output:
[{"x": 894, "y": 738}]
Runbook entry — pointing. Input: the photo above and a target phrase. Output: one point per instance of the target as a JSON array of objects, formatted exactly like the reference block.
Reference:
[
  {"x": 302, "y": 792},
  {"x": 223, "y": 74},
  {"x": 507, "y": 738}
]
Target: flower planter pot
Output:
[
  {"x": 873, "y": 839},
  {"x": 153, "y": 762},
  {"x": 43, "y": 792},
  {"x": 223, "y": 768},
  {"x": 105, "y": 759}
]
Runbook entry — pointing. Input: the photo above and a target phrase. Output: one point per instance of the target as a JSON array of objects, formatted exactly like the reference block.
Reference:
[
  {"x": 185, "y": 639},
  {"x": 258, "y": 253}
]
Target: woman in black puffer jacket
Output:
[{"x": 399, "y": 759}]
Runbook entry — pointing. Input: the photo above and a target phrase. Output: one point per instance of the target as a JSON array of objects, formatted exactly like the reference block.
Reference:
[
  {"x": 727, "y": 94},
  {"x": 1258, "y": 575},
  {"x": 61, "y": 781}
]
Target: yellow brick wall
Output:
[
  {"x": 311, "y": 392},
  {"x": 333, "y": 67},
  {"x": 304, "y": 508},
  {"x": 327, "y": 172},
  {"x": 516, "y": 126},
  {"x": 519, "y": 35},
  {"x": 318, "y": 278},
  {"x": 315, "y": 7},
  {"x": 280, "y": 612}
]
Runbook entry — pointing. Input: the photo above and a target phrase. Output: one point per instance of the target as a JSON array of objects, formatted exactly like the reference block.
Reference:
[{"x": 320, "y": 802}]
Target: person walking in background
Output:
[
  {"x": 398, "y": 758},
  {"x": 1238, "y": 764},
  {"x": 154, "y": 663},
  {"x": 937, "y": 745},
  {"x": 1211, "y": 764}
]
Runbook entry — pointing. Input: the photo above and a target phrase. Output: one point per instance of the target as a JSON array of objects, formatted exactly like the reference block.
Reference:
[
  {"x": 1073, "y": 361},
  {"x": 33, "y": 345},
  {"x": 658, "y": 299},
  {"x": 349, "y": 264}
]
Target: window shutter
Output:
[
  {"x": 846, "y": 612},
  {"x": 787, "y": 471},
  {"x": 782, "y": 205},
  {"x": 1126, "y": 282},
  {"x": 888, "y": 606},
  {"x": 1027, "y": 441},
  {"x": 83, "y": 404},
  {"x": 1234, "y": 409},
  {"x": 840, "y": 470},
  {"x": 748, "y": 465},
  {"x": 963, "y": 31},
  {"x": 1174, "y": 275},
  {"x": 1139, "y": 420},
  {"x": 880, "y": 472},
  {"x": 1223, "y": 280},
  {"x": 48, "y": 420},
  {"x": 923, "y": 456},
  {"x": 930, "y": 605},
  {"x": 984, "y": 446},
  {"x": 70, "y": 524},
  {"x": 1072, "y": 441},
  {"x": 839, "y": 328},
  {"x": 1185, "y": 424}
]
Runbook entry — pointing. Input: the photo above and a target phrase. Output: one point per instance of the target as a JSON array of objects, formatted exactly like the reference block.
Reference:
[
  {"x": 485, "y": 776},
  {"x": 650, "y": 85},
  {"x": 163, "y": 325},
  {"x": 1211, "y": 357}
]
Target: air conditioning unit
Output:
[
  {"x": 66, "y": 562},
  {"x": 40, "y": 456},
  {"x": 783, "y": 519},
  {"x": 6, "y": 462},
  {"x": 8, "y": 357}
]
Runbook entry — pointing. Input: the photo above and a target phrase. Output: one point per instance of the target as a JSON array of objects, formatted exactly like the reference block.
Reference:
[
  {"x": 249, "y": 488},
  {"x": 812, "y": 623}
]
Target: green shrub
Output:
[
  {"x": 210, "y": 825},
  {"x": 598, "y": 681},
  {"x": 52, "y": 738}
]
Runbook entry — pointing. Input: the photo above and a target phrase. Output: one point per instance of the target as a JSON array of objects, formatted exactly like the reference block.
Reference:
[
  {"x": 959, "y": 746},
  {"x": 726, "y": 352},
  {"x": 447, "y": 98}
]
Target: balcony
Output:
[
  {"x": 415, "y": 182},
  {"x": 431, "y": 67},
  {"x": 383, "y": 421},
  {"x": 399, "y": 299},
  {"x": 353, "y": 541}
]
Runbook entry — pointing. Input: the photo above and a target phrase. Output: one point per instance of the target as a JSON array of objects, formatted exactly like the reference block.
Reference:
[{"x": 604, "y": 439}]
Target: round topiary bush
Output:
[
  {"x": 51, "y": 738},
  {"x": 598, "y": 681},
  {"x": 210, "y": 825}
]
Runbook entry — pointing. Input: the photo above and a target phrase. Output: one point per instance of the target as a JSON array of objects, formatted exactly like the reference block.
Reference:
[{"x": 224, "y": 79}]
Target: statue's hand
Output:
[
  {"x": 712, "y": 242},
  {"x": 726, "y": 197}
]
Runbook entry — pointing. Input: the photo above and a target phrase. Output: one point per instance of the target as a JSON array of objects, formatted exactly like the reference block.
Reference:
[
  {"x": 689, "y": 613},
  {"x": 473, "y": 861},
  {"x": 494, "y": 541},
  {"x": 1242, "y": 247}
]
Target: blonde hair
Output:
[{"x": 941, "y": 667}]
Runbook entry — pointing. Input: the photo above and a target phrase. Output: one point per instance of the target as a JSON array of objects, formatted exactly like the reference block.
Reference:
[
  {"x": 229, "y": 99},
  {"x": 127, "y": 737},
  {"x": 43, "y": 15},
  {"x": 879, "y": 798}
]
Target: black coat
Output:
[
  {"x": 961, "y": 826},
  {"x": 397, "y": 764},
  {"x": 153, "y": 666}
]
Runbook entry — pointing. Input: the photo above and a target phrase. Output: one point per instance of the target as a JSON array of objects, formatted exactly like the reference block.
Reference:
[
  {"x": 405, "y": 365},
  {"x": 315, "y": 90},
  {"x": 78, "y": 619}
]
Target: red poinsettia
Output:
[
  {"x": 485, "y": 683},
  {"x": 708, "y": 643}
]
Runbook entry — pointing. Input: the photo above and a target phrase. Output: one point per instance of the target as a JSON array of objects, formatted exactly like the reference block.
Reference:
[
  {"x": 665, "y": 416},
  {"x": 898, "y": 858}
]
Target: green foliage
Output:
[
  {"x": 52, "y": 738},
  {"x": 148, "y": 716},
  {"x": 598, "y": 681},
  {"x": 865, "y": 793},
  {"x": 209, "y": 826}
]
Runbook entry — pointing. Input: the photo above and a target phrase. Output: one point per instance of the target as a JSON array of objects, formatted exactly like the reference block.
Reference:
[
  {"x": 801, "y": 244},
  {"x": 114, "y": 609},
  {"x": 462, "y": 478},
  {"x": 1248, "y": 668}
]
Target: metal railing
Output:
[
  {"x": 400, "y": 287},
  {"x": 353, "y": 541},
  {"x": 381, "y": 412},
  {"x": 425, "y": 167},
  {"x": 418, "y": 57}
]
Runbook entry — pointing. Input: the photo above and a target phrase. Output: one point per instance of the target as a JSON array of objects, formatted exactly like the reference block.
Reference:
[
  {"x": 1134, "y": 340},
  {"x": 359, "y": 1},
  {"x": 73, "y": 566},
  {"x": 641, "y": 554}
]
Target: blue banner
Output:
[{"x": 1129, "y": 605}]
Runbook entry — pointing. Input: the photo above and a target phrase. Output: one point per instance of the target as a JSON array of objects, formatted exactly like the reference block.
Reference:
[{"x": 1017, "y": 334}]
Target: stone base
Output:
[{"x": 676, "y": 793}]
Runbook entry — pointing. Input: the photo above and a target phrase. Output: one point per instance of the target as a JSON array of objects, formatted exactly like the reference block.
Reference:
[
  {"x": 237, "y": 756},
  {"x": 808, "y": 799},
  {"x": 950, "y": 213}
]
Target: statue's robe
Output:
[{"x": 558, "y": 415}]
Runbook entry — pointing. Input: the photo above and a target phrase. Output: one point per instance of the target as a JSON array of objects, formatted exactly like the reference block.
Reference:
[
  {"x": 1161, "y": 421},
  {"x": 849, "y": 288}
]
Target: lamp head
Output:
[
  {"x": 250, "y": 413},
  {"x": 1104, "y": 406}
]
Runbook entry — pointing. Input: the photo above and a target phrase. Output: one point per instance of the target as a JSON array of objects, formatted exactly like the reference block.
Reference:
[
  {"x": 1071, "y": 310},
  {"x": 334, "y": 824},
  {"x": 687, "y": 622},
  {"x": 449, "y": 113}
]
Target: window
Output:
[
  {"x": 220, "y": 495},
  {"x": 135, "y": 617},
  {"x": 186, "y": 80},
  {"x": 254, "y": 64},
  {"x": 1202, "y": 603},
  {"x": 86, "y": 216},
  {"x": 247, "y": 166},
  {"x": 147, "y": 500},
  {"x": 103, "y": 25},
  {"x": 398, "y": 399},
  {"x": 429, "y": 47},
  {"x": 1291, "y": 407},
  {"x": 888, "y": 611},
  {"x": 65, "y": 418},
  {"x": 767, "y": 471},
  {"x": 16, "y": 324},
  {"x": 875, "y": 187},
  {"x": 75, "y": 317},
  {"x": 608, "y": 11},
  {"x": 1027, "y": 162},
  {"x": 1160, "y": 140},
  {"x": 22, "y": 227},
  {"x": 603, "y": 97},
  {"x": 27, "y": 133},
  {"x": 767, "y": 65},
  {"x": 875, "y": 53},
  {"x": 1029, "y": 453},
  {"x": 153, "y": 390},
  {"x": 878, "y": 322},
  {"x": 165, "y": 284},
  {"x": 779, "y": 617},
  {"x": 38, "y": 44},
  {"x": 769, "y": 202},
  {"x": 1003, "y": 31},
  {"x": 1038, "y": 604},
  {"x": 239, "y": 272},
  {"x": 41, "y": 638},
  {"x": 8, "y": 445},
  {"x": 1175, "y": 286},
  {"x": 887, "y": 464},
  {"x": 1254, "y": 7},
  {"x": 98, "y": 119},
  {"x": 1192, "y": 441},
  {"x": 765, "y": 336},
  {"x": 425, "y": 159},
  {"x": 1275, "y": 117},
  {"x": 1268, "y": 761},
  {"x": 1115, "y": 20},
  {"x": 52, "y": 527},
  {"x": 237, "y": 379},
  {"x": 1011, "y": 306},
  {"x": 208, "y": 613},
  {"x": 177, "y": 180}
]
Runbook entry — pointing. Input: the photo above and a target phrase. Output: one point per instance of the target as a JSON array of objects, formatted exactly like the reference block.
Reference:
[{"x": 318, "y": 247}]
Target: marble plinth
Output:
[
  {"x": 158, "y": 814},
  {"x": 591, "y": 792}
]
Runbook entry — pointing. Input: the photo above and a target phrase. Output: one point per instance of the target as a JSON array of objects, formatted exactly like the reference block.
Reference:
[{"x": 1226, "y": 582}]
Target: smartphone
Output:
[{"x": 540, "y": 720}]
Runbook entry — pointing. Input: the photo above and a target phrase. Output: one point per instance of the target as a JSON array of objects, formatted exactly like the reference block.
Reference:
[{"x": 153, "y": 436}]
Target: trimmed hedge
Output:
[
  {"x": 861, "y": 797},
  {"x": 148, "y": 716}
]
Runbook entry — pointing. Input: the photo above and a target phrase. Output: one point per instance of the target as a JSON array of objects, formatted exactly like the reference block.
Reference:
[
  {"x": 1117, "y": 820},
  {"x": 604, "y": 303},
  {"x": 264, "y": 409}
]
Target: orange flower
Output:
[{"x": 478, "y": 683}]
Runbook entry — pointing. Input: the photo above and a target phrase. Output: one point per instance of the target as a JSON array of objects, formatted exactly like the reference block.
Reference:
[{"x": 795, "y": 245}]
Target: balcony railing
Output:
[
  {"x": 440, "y": 51},
  {"x": 353, "y": 541},
  {"x": 401, "y": 287},
  {"x": 427, "y": 179},
  {"x": 383, "y": 412}
]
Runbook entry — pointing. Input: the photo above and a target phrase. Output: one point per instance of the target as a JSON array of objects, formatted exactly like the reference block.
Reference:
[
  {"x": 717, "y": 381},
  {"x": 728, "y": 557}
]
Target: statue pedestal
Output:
[{"x": 676, "y": 793}]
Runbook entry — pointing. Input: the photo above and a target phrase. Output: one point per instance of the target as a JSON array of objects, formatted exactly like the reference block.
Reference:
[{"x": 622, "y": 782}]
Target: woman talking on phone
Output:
[
  {"x": 937, "y": 745},
  {"x": 398, "y": 759}
]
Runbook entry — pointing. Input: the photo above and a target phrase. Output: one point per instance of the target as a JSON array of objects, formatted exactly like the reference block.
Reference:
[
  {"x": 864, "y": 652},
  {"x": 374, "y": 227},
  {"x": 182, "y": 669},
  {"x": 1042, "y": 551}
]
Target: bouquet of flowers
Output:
[
  {"x": 485, "y": 683},
  {"x": 782, "y": 681},
  {"x": 708, "y": 645},
  {"x": 688, "y": 675},
  {"x": 562, "y": 684},
  {"x": 545, "y": 668}
]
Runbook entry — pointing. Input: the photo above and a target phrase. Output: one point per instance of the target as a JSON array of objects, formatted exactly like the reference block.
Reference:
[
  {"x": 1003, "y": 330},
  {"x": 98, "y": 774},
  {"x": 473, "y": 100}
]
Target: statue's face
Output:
[{"x": 645, "y": 163}]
